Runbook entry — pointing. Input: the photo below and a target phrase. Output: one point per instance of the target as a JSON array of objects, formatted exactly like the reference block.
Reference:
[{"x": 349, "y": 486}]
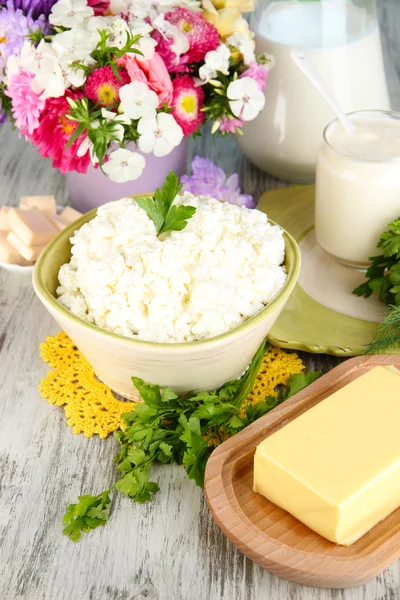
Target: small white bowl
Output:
[{"x": 206, "y": 364}]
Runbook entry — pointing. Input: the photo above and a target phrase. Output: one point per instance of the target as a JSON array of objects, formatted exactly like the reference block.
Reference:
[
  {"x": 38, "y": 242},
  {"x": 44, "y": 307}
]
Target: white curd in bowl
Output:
[
  {"x": 358, "y": 185},
  {"x": 224, "y": 267}
]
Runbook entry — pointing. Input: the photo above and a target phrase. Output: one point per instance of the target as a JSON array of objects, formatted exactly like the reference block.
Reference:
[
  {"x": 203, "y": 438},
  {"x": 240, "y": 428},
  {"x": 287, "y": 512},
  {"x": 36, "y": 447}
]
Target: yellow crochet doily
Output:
[{"x": 91, "y": 407}]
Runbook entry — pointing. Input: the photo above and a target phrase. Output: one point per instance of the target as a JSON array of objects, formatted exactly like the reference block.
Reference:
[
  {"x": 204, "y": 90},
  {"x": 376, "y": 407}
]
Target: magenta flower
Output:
[
  {"x": 173, "y": 64},
  {"x": 209, "y": 180},
  {"x": 187, "y": 102},
  {"x": 102, "y": 86},
  {"x": 202, "y": 36},
  {"x": 53, "y": 133},
  {"x": 100, "y": 7}
]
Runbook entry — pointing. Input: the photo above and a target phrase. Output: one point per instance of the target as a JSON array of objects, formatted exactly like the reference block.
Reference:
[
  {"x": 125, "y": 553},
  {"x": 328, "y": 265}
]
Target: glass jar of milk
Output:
[
  {"x": 341, "y": 39},
  {"x": 357, "y": 185}
]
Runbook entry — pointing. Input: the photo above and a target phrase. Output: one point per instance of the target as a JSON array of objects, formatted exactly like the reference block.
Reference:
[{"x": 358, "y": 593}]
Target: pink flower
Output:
[
  {"x": 53, "y": 133},
  {"x": 26, "y": 105},
  {"x": 173, "y": 64},
  {"x": 153, "y": 72},
  {"x": 230, "y": 125},
  {"x": 257, "y": 72},
  {"x": 102, "y": 85},
  {"x": 187, "y": 102},
  {"x": 100, "y": 7},
  {"x": 202, "y": 36}
]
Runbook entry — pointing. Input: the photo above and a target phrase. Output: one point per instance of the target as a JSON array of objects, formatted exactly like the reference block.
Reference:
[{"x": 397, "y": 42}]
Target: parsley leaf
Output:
[
  {"x": 161, "y": 209},
  {"x": 90, "y": 512},
  {"x": 383, "y": 275},
  {"x": 167, "y": 428}
]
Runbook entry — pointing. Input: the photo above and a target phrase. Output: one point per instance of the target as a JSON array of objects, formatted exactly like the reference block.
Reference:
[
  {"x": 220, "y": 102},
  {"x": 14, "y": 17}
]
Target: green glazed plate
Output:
[{"x": 305, "y": 324}]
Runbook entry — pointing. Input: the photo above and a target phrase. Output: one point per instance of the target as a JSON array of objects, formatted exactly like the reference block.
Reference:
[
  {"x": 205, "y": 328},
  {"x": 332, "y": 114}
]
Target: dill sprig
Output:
[{"x": 387, "y": 336}]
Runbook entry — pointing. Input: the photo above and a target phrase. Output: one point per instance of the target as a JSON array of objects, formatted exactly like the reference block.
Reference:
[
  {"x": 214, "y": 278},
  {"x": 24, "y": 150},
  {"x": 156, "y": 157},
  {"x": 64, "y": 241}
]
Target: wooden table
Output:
[{"x": 169, "y": 549}]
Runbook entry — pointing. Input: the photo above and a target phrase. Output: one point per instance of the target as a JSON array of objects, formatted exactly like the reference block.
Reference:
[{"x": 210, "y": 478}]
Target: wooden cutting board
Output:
[{"x": 272, "y": 537}]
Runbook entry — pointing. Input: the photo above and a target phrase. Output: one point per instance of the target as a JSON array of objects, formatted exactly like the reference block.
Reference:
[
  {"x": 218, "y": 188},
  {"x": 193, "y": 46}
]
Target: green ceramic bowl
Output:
[{"x": 189, "y": 366}]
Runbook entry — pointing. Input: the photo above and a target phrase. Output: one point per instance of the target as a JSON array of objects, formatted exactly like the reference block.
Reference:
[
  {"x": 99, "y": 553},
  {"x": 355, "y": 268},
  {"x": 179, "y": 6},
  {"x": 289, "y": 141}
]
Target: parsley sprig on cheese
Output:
[
  {"x": 166, "y": 428},
  {"x": 161, "y": 209}
]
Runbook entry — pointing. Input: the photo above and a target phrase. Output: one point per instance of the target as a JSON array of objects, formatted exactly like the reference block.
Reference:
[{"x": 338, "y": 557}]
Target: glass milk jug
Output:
[{"x": 341, "y": 39}]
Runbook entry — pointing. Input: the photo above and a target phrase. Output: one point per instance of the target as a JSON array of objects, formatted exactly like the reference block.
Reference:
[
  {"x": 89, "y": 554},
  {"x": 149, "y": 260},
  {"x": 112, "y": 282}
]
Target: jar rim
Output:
[{"x": 368, "y": 112}]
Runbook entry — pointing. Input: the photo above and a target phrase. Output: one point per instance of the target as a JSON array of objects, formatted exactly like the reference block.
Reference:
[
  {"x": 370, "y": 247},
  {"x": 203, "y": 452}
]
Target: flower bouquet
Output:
[{"x": 107, "y": 82}]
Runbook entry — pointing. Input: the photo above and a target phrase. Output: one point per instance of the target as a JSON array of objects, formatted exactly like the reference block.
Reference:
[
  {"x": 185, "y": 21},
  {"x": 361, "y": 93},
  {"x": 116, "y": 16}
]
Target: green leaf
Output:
[
  {"x": 168, "y": 395},
  {"x": 89, "y": 513},
  {"x": 165, "y": 196},
  {"x": 149, "y": 393},
  {"x": 152, "y": 210},
  {"x": 384, "y": 269},
  {"x": 299, "y": 381},
  {"x": 177, "y": 218},
  {"x": 75, "y": 134},
  {"x": 161, "y": 210}
]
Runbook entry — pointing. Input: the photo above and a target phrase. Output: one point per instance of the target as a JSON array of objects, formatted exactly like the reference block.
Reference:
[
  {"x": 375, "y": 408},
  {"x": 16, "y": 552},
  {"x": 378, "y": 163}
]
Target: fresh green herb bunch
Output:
[
  {"x": 387, "y": 336},
  {"x": 167, "y": 428},
  {"x": 383, "y": 276}
]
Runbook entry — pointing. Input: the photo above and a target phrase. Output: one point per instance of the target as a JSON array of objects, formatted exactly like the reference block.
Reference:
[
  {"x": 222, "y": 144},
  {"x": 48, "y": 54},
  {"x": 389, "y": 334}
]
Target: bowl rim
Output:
[{"x": 55, "y": 306}]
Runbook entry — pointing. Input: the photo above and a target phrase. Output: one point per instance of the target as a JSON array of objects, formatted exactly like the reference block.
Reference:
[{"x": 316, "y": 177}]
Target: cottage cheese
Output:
[{"x": 222, "y": 269}]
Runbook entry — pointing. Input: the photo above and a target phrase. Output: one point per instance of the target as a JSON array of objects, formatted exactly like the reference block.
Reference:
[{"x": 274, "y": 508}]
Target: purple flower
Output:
[
  {"x": 14, "y": 27},
  {"x": 210, "y": 180},
  {"x": 34, "y": 8},
  {"x": 3, "y": 115}
]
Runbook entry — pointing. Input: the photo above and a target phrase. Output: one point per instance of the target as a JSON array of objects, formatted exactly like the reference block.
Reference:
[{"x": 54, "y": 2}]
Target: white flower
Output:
[
  {"x": 119, "y": 30},
  {"x": 13, "y": 66},
  {"x": 245, "y": 45},
  {"x": 49, "y": 80},
  {"x": 270, "y": 61},
  {"x": 69, "y": 13},
  {"x": 151, "y": 8},
  {"x": 137, "y": 100},
  {"x": 147, "y": 46},
  {"x": 124, "y": 165},
  {"x": 159, "y": 135},
  {"x": 214, "y": 62},
  {"x": 112, "y": 116},
  {"x": 180, "y": 43},
  {"x": 71, "y": 46},
  {"x": 245, "y": 98}
]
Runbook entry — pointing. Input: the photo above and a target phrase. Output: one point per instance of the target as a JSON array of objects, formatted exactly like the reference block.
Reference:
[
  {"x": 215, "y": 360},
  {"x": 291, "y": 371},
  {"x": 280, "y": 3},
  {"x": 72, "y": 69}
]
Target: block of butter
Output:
[
  {"x": 336, "y": 467},
  {"x": 47, "y": 204},
  {"x": 31, "y": 226}
]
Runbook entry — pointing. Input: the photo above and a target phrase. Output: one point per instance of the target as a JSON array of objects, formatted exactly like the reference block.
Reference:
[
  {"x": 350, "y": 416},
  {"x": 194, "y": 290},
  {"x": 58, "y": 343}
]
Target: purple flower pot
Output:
[{"x": 90, "y": 190}]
